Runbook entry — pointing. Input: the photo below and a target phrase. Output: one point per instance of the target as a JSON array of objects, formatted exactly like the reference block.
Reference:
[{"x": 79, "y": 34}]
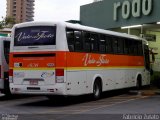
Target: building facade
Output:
[{"x": 21, "y": 10}]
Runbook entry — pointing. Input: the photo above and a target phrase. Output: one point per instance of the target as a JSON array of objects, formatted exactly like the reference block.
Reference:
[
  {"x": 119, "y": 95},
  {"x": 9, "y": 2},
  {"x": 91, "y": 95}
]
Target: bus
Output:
[
  {"x": 64, "y": 59},
  {"x": 4, "y": 65}
]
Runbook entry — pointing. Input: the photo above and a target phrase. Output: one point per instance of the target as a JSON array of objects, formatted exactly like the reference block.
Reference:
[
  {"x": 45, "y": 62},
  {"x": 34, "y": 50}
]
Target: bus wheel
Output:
[
  {"x": 139, "y": 83},
  {"x": 97, "y": 90}
]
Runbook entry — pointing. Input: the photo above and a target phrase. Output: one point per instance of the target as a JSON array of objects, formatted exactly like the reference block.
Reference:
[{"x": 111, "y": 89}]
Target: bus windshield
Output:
[{"x": 35, "y": 36}]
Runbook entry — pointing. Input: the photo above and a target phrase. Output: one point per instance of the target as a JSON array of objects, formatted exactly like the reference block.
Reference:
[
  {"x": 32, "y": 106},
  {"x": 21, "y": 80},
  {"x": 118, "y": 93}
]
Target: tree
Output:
[{"x": 7, "y": 22}]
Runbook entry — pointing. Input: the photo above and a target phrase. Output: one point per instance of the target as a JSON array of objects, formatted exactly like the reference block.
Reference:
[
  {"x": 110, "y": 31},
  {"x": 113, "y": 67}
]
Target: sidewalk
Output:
[{"x": 150, "y": 91}]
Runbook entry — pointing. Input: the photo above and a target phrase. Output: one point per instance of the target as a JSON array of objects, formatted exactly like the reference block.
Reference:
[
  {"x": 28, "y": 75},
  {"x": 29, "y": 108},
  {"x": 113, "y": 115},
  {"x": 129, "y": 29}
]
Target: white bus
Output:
[
  {"x": 53, "y": 58},
  {"x": 4, "y": 65}
]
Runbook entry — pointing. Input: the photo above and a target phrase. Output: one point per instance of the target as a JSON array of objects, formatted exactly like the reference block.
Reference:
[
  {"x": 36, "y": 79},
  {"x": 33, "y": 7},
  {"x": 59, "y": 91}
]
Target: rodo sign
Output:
[{"x": 136, "y": 8}]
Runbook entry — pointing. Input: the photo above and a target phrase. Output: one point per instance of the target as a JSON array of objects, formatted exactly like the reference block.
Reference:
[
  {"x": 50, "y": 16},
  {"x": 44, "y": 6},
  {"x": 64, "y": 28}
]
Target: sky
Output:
[{"x": 55, "y": 10}]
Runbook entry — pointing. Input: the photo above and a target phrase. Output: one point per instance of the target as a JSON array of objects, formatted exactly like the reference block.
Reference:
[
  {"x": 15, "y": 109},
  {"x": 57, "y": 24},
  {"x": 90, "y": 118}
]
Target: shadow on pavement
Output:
[{"x": 72, "y": 100}]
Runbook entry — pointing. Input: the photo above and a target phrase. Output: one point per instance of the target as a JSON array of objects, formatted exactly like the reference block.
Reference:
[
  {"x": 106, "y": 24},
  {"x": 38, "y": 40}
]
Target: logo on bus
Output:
[
  {"x": 47, "y": 74},
  {"x": 90, "y": 60},
  {"x": 33, "y": 65},
  {"x": 40, "y": 35}
]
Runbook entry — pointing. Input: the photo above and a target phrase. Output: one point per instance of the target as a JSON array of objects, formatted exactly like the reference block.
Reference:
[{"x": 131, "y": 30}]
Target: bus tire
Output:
[
  {"x": 139, "y": 82},
  {"x": 97, "y": 89},
  {"x": 7, "y": 91}
]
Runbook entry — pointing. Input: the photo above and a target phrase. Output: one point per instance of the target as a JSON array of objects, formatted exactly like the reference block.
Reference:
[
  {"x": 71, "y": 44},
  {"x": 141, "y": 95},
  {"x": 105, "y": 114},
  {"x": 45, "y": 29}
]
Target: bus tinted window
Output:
[
  {"x": 109, "y": 48},
  {"x": 126, "y": 46},
  {"x": 70, "y": 39},
  {"x": 102, "y": 44},
  {"x": 94, "y": 42},
  {"x": 35, "y": 35},
  {"x": 78, "y": 41},
  {"x": 74, "y": 38},
  {"x": 140, "y": 50},
  {"x": 115, "y": 45},
  {"x": 131, "y": 47},
  {"x": 87, "y": 41},
  {"x": 6, "y": 45},
  {"x": 87, "y": 44},
  {"x": 120, "y": 46}
]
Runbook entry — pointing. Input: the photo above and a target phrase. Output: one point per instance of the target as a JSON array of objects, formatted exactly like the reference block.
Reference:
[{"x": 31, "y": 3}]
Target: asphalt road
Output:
[{"x": 112, "y": 106}]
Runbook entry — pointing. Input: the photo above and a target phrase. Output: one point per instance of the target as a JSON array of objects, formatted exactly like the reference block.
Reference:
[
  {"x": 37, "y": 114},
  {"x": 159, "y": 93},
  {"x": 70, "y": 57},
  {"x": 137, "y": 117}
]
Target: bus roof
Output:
[{"x": 80, "y": 27}]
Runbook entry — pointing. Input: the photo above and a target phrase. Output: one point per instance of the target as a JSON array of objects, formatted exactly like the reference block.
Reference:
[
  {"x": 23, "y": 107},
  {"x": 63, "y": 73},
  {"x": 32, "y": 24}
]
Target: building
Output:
[
  {"x": 21, "y": 10},
  {"x": 137, "y": 17}
]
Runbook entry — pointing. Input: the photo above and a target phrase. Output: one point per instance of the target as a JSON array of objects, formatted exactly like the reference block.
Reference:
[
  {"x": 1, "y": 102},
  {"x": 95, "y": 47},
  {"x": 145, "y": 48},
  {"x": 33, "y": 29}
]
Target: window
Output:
[
  {"x": 109, "y": 48},
  {"x": 115, "y": 45},
  {"x": 131, "y": 46},
  {"x": 135, "y": 48},
  {"x": 85, "y": 41},
  {"x": 140, "y": 51},
  {"x": 120, "y": 49},
  {"x": 70, "y": 39},
  {"x": 102, "y": 44},
  {"x": 74, "y": 38},
  {"x": 35, "y": 36},
  {"x": 126, "y": 46},
  {"x": 78, "y": 41},
  {"x": 87, "y": 44},
  {"x": 94, "y": 43}
]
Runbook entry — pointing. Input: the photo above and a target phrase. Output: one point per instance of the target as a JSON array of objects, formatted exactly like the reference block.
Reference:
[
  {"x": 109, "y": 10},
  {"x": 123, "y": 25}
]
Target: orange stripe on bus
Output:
[{"x": 64, "y": 59}]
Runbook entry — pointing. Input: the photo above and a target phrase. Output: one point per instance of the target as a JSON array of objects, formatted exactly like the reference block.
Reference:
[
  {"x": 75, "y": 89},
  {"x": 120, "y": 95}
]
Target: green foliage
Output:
[{"x": 7, "y": 22}]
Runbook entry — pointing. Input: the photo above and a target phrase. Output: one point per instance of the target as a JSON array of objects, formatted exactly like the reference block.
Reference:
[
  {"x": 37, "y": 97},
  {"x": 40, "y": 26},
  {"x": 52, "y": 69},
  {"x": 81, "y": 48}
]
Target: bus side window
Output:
[
  {"x": 140, "y": 50},
  {"x": 102, "y": 44},
  {"x": 115, "y": 45},
  {"x": 94, "y": 43},
  {"x": 87, "y": 44},
  {"x": 132, "y": 47},
  {"x": 126, "y": 46},
  {"x": 109, "y": 44},
  {"x": 70, "y": 39},
  {"x": 131, "y": 44},
  {"x": 120, "y": 49},
  {"x": 135, "y": 48},
  {"x": 78, "y": 41}
]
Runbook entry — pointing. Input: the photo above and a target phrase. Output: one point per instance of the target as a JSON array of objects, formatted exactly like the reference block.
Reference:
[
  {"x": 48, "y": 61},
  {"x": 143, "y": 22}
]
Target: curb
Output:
[
  {"x": 157, "y": 92},
  {"x": 148, "y": 93},
  {"x": 144, "y": 92}
]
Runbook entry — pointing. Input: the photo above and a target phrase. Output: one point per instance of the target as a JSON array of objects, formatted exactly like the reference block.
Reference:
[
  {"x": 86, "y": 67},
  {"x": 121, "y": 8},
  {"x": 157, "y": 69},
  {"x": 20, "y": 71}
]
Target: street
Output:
[{"x": 113, "y": 105}]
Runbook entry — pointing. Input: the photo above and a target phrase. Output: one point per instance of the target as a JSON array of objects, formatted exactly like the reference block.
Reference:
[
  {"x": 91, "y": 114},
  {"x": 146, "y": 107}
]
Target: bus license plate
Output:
[{"x": 33, "y": 82}]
